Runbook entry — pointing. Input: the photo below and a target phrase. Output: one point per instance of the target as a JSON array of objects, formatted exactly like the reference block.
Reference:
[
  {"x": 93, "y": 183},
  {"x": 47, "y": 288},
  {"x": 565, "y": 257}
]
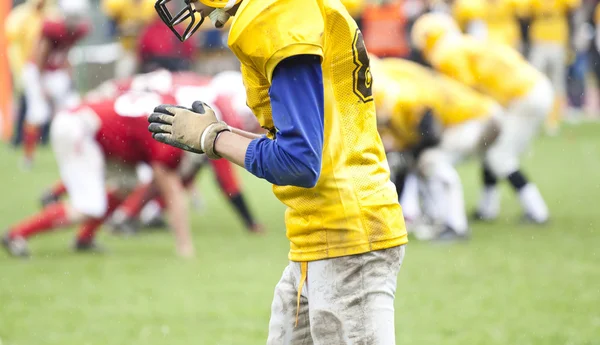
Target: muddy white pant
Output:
[{"x": 344, "y": 301}]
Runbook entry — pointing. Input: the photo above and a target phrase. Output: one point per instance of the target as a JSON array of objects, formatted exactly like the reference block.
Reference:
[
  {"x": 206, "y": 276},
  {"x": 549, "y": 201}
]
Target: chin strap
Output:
[
  {"x": 219, "y": 17},
  {"x": 229, "y": 5}
]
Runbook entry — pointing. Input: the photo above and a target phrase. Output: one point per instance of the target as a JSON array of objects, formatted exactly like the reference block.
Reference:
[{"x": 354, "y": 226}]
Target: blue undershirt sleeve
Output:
[{"x": 294, "y": 157}]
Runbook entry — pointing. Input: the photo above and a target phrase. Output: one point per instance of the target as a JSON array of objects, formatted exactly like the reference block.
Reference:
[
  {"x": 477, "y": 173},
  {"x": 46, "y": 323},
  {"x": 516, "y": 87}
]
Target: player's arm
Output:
[
  {"x": 169, "y": 185},
  {"x": 12, "y": 31},
  {"x": 430, "y": 132},
  {"x": 524, "y": 17},
  {"x": 292, "y": 158},
  {"x": 245, "y": 134},
  {"x": 32, "y": 74}
]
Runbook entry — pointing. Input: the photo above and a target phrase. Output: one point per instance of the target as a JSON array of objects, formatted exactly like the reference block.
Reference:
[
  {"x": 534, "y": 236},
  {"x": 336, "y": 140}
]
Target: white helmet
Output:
[{"x": 74, "y": 8}]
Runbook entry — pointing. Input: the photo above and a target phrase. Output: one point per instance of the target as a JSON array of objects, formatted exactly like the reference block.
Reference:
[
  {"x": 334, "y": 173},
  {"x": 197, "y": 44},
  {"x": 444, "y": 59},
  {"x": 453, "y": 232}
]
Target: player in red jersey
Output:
[
  {"x": 226, "y": 94},
  {"x": 47, "y": 77},
  {"x": 97, "y": 146}
]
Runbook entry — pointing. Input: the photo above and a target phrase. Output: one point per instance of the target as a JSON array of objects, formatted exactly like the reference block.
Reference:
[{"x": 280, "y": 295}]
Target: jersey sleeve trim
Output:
[{"x": 289, "y": 51}]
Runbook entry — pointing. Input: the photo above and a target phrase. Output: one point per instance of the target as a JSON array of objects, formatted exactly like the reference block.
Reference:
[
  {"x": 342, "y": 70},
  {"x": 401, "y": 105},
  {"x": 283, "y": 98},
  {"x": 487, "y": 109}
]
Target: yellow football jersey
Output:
[
  {"x": 499, "y": 15},
  {"x": 400, "y": 107},
  {"x": 354, "y": 206},
  {"x": 130, "y": 16},
  {"x": 493, "y": 69},
  {"x": 354, "y": 7},
  {"x": 549, "y": 19},
  {"x": 410, "y": 89},
  {"x": 22, "y": 28},
  {"x": 597, "y": 14}
]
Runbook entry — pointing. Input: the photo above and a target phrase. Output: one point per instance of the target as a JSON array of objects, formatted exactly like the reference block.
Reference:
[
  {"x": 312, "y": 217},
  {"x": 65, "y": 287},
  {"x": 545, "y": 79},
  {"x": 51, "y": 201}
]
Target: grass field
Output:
[{"x": 511, "y": 284}]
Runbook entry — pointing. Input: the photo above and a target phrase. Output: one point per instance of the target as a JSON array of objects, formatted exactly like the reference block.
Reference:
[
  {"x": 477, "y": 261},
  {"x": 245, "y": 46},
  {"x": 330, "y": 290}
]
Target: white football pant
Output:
[
  {"x": 519, "y": 126},
  {"x": 80, "y": 160},
  {"x": 445, "y": 203}
]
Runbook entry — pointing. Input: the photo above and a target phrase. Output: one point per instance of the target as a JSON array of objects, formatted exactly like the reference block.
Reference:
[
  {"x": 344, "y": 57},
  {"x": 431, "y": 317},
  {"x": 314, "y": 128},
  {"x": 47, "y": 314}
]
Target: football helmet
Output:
[
  {"x": 430, "y": 27},
  {"x": 74, "y": 8},
  {"x": 189, "y": 15}
]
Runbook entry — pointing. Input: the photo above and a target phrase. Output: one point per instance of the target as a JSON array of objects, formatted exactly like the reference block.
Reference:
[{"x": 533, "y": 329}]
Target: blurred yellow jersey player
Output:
[
  {"x": 129, "y": 18},
  {"x": 551, "y": 33},
  {"x": 308, "y": 80},
  {"x": 439, "y": 122},
  {"x": 22, "y": 29},
  {"x": 501, "y": 73},
  {"x": 452, "y": 102},
  {"x": 494, "y": 20}
]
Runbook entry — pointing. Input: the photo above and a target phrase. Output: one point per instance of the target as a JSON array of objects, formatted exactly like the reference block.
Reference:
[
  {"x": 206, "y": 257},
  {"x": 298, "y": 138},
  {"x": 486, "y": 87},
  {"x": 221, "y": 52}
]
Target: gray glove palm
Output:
[{"x": 193, "y": 130}]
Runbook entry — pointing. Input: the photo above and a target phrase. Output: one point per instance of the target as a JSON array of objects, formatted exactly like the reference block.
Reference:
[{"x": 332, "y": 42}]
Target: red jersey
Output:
[
  {"x": 184, "y": 87},
  {"x": 123, "y": 134},
  {"x": 61, "y": 37}
]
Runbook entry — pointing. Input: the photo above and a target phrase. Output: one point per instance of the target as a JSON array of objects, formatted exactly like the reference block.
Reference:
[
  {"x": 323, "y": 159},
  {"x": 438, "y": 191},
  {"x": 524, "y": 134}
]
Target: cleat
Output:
[
  {"x": 156, "y": 223},
  {"x": 48, "y": 198},
  {"x": 121, "y": 224},
  {"x": 88, "y": 247},
  {"x": 26, "y": 164},
  {"x": 478, "y": 216},
  {"x": 528, "y": 219},
  {"x": 258, "y": 229},
  {"x": 16, "y": 246},
  {"x": 126, "y": 228},
  {"x": 450, "y": 235}
]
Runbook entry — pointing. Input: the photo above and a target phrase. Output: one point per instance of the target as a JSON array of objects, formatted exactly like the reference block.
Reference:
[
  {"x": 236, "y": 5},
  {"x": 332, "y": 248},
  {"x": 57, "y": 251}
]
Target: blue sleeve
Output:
[{"x": 294, "y": 156}]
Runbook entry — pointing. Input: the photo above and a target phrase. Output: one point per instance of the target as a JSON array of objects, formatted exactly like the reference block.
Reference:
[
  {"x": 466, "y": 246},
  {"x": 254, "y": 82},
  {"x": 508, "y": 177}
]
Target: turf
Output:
[{"x": 511, "y": 284}]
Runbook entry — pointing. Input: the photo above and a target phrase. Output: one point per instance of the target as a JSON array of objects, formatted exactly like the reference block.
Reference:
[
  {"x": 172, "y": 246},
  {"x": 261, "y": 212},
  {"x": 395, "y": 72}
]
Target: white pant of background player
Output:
[
  {"x": 82, "y": 166},
  {"x": 520, "y": 125},
  {"x": 441, "y": 187},
  {"x": 347, "y": 300},
  {"x": 45, "y": 91},
  {"x": 550, "y": 58}
]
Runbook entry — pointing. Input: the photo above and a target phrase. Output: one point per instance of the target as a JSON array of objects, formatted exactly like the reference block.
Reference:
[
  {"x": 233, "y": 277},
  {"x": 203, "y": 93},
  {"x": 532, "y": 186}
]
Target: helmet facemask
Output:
[{"x": 186, "y": 15}]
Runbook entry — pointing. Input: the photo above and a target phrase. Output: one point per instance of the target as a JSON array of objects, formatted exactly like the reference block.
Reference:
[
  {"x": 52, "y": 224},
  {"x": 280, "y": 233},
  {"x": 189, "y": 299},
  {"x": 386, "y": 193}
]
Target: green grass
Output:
[{"x": 512, "y": 284}]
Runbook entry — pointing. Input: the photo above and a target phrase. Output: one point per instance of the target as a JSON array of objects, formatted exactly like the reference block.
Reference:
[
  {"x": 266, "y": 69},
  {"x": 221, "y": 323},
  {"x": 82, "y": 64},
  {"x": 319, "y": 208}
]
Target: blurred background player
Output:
[
  {"x": 494, "y": 20},
  {"x": 126, "y": 218},
  {"x": 158, "y": 48},
  {"x": 97, "y": 146},
  {"x": 128, "y": 20},
  {"x": 22, "y": 29},
  {"x": 47, "y": 76},
  {"x": 437, "y": 122},
  {"x": 227, "y": 96},
  {"x": 551, "y": 26},
  {"x": 501, "y": 73}
]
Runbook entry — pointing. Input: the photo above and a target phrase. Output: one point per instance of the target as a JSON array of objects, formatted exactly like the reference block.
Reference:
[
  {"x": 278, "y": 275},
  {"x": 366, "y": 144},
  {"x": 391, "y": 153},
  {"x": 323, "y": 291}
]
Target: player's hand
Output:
[{"x": 193, "y": 130}]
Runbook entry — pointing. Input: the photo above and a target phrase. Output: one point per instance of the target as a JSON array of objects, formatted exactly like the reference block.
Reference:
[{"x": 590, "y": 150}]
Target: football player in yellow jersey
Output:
[
  {"x": 551, "y": 33},
  {"x": 495, "y": 20},
  {"x": 129, "y": 17},
  {"x": 308, "y": 81},
  {"x": 501, "y": 73},
  {"x": 439, "y": 121},
  {"x": 22, "y": 29}
]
